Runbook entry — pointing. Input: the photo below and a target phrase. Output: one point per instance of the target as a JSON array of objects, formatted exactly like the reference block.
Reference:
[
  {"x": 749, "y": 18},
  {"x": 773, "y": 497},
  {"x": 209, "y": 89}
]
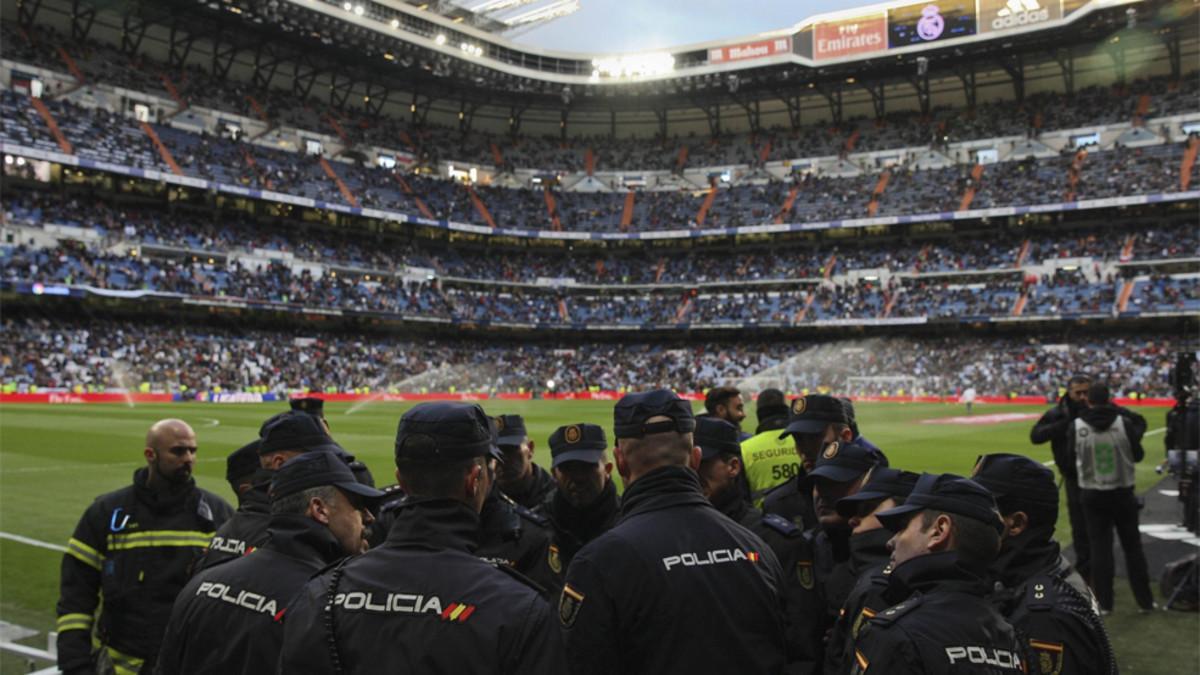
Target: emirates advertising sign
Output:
[
  {"x": 930, "y": 22},
  {"x": 849, "y": 37},
  {"x": 997, "y": 15},
  {"x": 750, "y": 50}
]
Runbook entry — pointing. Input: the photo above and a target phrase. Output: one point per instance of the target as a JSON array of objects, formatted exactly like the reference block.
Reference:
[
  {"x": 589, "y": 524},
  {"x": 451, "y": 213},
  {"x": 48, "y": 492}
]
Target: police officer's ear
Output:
[
  {"x": 940, "y": 534},
  {"x": 528, "y": 449},
  {"x": 734, "y": 465},
  {"x": 846, "y": 435},
  {"x": 622, "y": 463},
  {"x": 150, "y": 454},
  {"x": 1015, "y": 523},
  {"x": 318, "y": 510},
  {"x": 694, "y": 459}
]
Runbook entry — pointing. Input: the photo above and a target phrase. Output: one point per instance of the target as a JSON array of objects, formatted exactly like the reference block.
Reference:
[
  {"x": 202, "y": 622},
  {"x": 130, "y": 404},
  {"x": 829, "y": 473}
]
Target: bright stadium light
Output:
[
  {"x": 395, "y": 23},
  {"x": 550, "y": 385},
  {"x": 635, "y": 65},
  {"x": 348, "y": 7},
  {"x": 440, "y": 39},
  {"x": 359, "y": 10}
]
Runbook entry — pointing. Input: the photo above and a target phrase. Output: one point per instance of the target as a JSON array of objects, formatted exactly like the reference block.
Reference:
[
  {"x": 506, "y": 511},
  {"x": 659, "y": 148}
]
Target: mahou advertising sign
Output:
[
  {"x": 750, "y": 50},
  {"x": 835, "y": 39}
]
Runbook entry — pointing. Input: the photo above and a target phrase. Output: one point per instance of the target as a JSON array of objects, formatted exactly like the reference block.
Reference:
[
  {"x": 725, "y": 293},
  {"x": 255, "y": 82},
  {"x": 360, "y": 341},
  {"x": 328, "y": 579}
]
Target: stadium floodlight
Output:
[
  {"x": 359, "y": 10},
  {"x": 440, "y": 39},
  {"x": 395, "y": 23},
  {"x": 634, "y": 65},
  {"x": 550, "y": 385},
  {"x": 348, "y": 6}
]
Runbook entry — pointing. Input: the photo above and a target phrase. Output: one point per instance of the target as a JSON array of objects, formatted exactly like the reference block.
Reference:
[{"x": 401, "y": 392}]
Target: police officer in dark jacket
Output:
[
  {"x": 423, "y": 602},
  {"x": 517, "y": 476},
  {"x": 885, "y": 488},
  {"x": 281, "y": 438},
  {"x": 229, "y": 619},
  {"x": 673, "y": 568},
  {"x": 585, "y": 503},
  {"x": 947, "y": 534},
  {"x": 247, "y": 529},
  {"x": 815, "y": 422},
  {"x": 1055, "y": 427},
  {"x": 514, "y": 536},
  {"x": 852, "y": 419},
  {"x": 720, "y": 469},
  {"x": 1037, "y": 590},
  {"x": 131, "y": 552}
]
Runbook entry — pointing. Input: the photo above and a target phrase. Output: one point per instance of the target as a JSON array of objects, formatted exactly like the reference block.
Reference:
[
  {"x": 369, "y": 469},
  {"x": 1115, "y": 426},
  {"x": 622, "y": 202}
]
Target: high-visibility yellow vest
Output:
[{"x": 769, "y": 461}]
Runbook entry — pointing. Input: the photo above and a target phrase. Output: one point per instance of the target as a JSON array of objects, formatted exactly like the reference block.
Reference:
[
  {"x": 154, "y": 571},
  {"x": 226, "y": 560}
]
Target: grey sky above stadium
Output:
[{"x": 611, "y": 26}]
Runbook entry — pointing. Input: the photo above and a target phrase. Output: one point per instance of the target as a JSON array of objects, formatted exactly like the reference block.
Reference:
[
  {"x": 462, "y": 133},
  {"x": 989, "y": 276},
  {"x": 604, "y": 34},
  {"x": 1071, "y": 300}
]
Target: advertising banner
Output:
[
  {"x": 997, "y": 15},
  {"x": 849, "y": 37},
  {"x": 930, "y": 22},
  {"x": 750, "y": 50}
]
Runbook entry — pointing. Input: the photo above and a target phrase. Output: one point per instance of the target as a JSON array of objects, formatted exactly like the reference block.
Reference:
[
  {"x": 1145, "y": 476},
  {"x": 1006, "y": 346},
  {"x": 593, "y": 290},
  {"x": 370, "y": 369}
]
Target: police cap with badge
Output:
[
  {"x": 577, "y": 443},
  {"x": 445, "y": 432},
  {"x": 949, "y": 493},
  {"x": 716, "y": 437},
  {"x": 296, "y": 431},
  {"x": 813, "y": 414},
  {"x": 632, "y": 414},
  {"x": 842, "y": 462},
  {"x": 316, "y": 469},
  {"x": 883, "y": 483},
  {"x": 510, "y": 430},
  {"x": 243, "y": 462}
]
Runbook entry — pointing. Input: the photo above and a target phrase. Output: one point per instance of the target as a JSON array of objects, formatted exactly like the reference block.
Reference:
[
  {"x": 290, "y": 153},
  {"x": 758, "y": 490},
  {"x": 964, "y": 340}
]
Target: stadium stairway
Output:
[
  {"x": 1073, "y": 174},
  {"x": 884, "y": 179},
  {"x": 892, "y": 297},
  {"x": 173, "y": 92},
  {"x": 852, "y": 140},
  {"x": 262, "y": 175},
  {"x": 563, "y": 314},
  {"x": 829, "y": 265},
  {"x": 921, "y": 258},
  {"x": 1024, "y": 253},
  {"x": 702, "y": 213},
  {"x": 1189, "y": 161},
  {"x": 499, "y": 158},
  {"x": 659, "y": 269},
  {"x": 72, "y": 68},
  {"x": 589, "y": 161},
  {"x": 407, "y": 189},
  {"x": 1125, "y": 294},
  {"x": 480, "y": 207},
  {"x": 258, "y": 109},
  {"x": 681, "y": 159},
  {"x": 788, "y": 202},
  {"x": 52, "y": 125},
  {"x": 1139, "y": 113},
  {"x": 808, "y": 301},
  {"x": 551, "y": 209},
  {"x": 1127, "y": 249},
  {"x": 764, "y": 153},
  {"x": 684, "y": 307},
  {"x": 1019, "y": 306},
  {"x": 163, "y": 152},
  {"x": 969, "y": 193},
  {"x": 341, "y": 184},
  {"x": 337, "y": 129},
  {"x": 627, "y": 211}
]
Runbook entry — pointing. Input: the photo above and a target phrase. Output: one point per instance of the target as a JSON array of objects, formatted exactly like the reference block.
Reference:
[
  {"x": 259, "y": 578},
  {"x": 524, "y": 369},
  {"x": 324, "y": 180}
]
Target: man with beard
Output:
[
  {"x": 813, "y": 423},
  {"x": 586, "y": 504},
  {"x": 725, "y": 403},
  {"x": 1038, "y": 591},
  {"x": 720, "y": 469},
  {"x": 884, "y": 488},
  {"x": 517, "y": 476},
  {"x": 131, "y": 552},
  {"x": 1055, "y": 427}
]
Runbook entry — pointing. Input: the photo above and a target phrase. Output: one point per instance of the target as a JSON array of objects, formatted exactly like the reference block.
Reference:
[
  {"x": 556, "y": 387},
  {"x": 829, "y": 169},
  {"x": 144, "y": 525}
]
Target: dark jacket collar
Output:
[
  {"x": 869, "y": 550},
  {"x": 772, "y": 424},
  {"x": 1031, "y": 552},
  {"x": 591, "y": 519},
  {"x": 731, "y": 504},
  {"x": 303, "y": 538},
  {"x": 164, "y": 498},
  {"x": 434, "y": 523},
  {"x": 255, "y": 500},
  {"x": 663, "y": 488},
  {"x": 941, "y": 572}
]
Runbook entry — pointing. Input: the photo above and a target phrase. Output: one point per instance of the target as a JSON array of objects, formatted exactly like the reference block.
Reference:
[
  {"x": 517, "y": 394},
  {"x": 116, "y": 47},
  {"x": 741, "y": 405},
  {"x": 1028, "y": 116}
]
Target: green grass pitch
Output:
[{"x": 55, "y": 459}]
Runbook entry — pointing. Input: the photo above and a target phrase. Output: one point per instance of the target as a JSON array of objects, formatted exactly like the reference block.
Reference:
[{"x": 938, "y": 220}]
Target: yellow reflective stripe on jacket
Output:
[
  {"x": 124, "y": 664},
  {"x": 68, "y": 622},
  {"x": 158, "y": 538},
  {"x": 84, "y": 553}
]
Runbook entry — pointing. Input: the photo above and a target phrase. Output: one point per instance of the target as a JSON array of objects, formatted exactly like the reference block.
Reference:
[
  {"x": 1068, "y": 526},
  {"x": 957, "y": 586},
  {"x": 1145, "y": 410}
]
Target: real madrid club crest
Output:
[
  {"x": 804, "y": 574},
  {"x": 799, "y": 405},
  {"x": 573, "y": 434},
  {"x": 568, "y": 606},
  {"x": 831, "y": 450},
  {"x": 553, "y": 560}
]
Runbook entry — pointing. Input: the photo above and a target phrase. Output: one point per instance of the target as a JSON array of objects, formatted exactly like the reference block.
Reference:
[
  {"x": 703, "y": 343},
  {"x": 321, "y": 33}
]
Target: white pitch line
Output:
[
  {"x": 32, "y": 542},
  {"x": 1160, "y": 430},
  {"x": 211, "y": 421}
]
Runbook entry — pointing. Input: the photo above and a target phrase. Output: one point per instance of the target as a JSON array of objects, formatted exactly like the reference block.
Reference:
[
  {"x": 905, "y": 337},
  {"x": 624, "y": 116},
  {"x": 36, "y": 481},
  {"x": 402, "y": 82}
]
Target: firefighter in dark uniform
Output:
[
  {"x": 423, "y": 602},
  {"x": 131, "y": 552},
  {"x": 673, "y": 568},
  {"x": 1037, "y": 590},
  {"x": 230, "y": 618},
  {"x": 940, "y": 620},
  {"x": 885, "y": 488},
  {"x": 720, "y": 469},
  {"x": 813, "y": 423},
  {"x": 517, "y": 476},
  {"x": 585, "y": 503},
  {"x": 1055, "y": 426},
  {"x": 282, "y": 438}
]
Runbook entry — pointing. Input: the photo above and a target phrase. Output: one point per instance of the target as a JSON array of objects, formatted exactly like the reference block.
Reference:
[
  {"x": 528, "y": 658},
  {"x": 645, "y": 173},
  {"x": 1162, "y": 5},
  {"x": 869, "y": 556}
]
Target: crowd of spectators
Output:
[{"x": 63, "y": 353}]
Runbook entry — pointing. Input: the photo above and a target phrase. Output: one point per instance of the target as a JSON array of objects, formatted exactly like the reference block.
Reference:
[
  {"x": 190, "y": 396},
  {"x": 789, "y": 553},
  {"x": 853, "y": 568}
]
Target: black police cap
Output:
[
  {"x": 1005, "y": 475},
  {"x": 840, "y": 461},
  {"x": 577, "y": 443},
  {"x": 715, "y": 436},
  {"x": 883, "y": 482},
  {"x": 314, "y": 469},
  {"x": 298, "y": 431},
  {"x": 243, "y": 461},
  {"x": 445, "y": 432},
  {"x": 812, "y": 414},
  {"x": 309, "y": 404},
  {"x": 771, "y": 402},
  {"x": 510, "y": 429},
  {"x": 949, "y": 493},
  {"x": 632, "y": 413}
]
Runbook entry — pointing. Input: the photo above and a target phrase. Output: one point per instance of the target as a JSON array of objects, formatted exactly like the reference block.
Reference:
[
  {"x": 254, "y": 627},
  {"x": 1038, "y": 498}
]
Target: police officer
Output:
[
  {"x": 1037, "y": 590},
  {"x": 769, "y": 459},
  {"x": 514, "y": 536},
  {"x": 1055, "y": 426},
  {"x": 814, "y": 422},
  {"x": 884, "y": 488},
  {"x": 282, "y": 438},
  {"x": 585, "y": 503},
  {"x": 131, "y": 552},
  {"x": 313, "y": 406},
  {"x": 673, "y": 568},
  {"x": 246, "y": 530},
  {"x": 240, "y": 468},
  {"x": 423, "y": 602},
  {"x": 229, "y": 618},
  {"x": 517, "y": 476},
  {"x": 852, "y": 420},
  {"x": 720, "y": 468},
  {"x": 947, "y": 534}
]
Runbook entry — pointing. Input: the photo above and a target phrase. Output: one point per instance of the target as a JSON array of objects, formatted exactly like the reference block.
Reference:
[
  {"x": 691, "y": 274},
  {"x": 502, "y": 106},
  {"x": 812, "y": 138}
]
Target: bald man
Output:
[{"x": 131, "y": 553}]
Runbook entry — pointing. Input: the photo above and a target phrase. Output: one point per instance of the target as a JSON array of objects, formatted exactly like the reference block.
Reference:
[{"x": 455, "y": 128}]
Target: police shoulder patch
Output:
[
  {"x": 781, "y": 525},
  {"x": 892, "y": 614},
  {"x": 804, "y": 574},
  {"x": 569, "y": 604},
  {"x": 1049, "y": 656},
  {"x": 1039, "y": 594},
  {"x": 553, "y": 559}
]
